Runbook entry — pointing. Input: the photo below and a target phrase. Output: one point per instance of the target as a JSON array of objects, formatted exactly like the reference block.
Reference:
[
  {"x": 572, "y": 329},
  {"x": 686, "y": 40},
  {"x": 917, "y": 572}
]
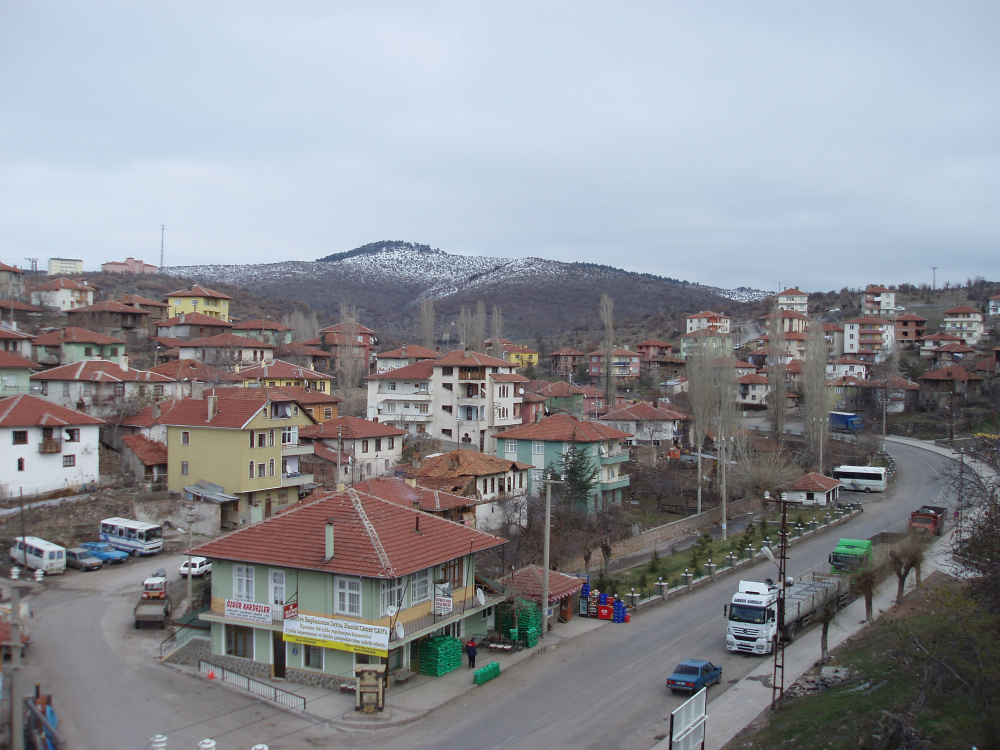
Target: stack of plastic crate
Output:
[{"x": 440, "y": 655}]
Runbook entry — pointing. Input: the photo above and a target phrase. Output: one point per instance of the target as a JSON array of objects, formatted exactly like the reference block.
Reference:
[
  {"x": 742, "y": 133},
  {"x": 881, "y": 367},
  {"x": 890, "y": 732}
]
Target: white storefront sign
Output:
[
  {"x": 237, "y": 609},
  {"x": 343, "y": 635},
  {"x": 443, "y": 604}
]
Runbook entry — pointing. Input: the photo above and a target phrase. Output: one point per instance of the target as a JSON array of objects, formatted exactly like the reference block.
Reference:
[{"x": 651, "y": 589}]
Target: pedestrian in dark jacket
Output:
[{"x": 470, "y": 649}]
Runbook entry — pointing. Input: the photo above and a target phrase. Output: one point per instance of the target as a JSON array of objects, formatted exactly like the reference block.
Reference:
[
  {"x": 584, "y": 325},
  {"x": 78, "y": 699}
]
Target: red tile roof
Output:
[
  {"x": 9, "y": 304},
  {"x": 470, "y": 359},
  {"x": 108, "y": 306},
  {"x": 279, "y": 369},
  {"x": 145, "y": 417},
  {"x": 567, "y": 352},
  {"x": 529, "y": 582},
  {"x": 509, "y": 377},
  {"x": 301, "y": 350},
  {"x": 62, "y": 284},
  {"x": 351, "y": 428},
  {"x": 814, "y": 482},
  {"x": 653, "y": 342},
  {"x": 31, "y": 411},
  {"x": 557, "y": 389},
  {"x": 940, "y": 337},
  {"x": 194, "y": 319},
  {"x": 795, "y": 291},
  {"x": 616, "y": 352},
  {"x": 850, "y": 361},
  {"x": 954, "y": 348},
  {"x": 328, "y": 454},
  {"x": 72, "y": 335},
  {"x": 190, "y": 369},
  {"x": 100, "y": 371},
  {"x": 878, "y": 289},
  {"x": 753, "y": 379},
  {"x": 236, "y": 407},
  {"x": 413, "y": 351},
  {"x": 950, "y": 373},
  {"x": 463, "y": 463},
  {"x": 961, "y": 309},
  {"x": 10, "y": 269},
  {"x": 227, "y": 340},
  {"x": 339, "y": 328},
  {"x": 135, "y": 299},
  {"x": 12, "y": 361},
  {"x": 150, "y": 452},
  {"x": 259, "y": 324},
  {"x": 418, "y": 371},
  {"x": 565, "y": 428},
  {"x": 304, "y": 396},
  {"x": 199, "y": 291},
  {"x": 645, "y": 412},
  {"x": 832, "y": 328},
  {"x": 668, "y": 359},
  {"x": 373, "y": 537},
  {"x": 911, "y": 317}
]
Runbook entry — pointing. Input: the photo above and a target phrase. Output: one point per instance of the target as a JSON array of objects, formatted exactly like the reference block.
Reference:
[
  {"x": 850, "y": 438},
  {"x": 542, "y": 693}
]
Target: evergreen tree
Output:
[{"x": 579, "y": 474}]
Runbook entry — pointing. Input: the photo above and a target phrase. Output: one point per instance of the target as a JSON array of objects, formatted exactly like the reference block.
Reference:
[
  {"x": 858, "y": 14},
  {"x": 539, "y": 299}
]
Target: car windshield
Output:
[
  {"x": 686, "y": 669},
  {"x": 154, "y": 534},
  {"x": 102, "y": 547},
  {"x": 847, "y": 562},
  {"x": 740, "y": 613}
]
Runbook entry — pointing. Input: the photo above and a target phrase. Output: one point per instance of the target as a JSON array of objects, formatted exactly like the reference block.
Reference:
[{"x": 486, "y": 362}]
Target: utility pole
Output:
[
  {"x": 162, "y": 232},
  {"x": 545, "y": 552},
  {"x": 189, "y": 517},
  {"x": 16, "y": 686},
  {"x": 340, "y": 449},
  {"x": 778, "y": 680}
]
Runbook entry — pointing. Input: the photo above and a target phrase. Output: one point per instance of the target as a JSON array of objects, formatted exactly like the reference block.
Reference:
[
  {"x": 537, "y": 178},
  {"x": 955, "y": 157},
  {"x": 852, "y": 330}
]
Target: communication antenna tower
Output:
[{"x": 162, "y": 228}]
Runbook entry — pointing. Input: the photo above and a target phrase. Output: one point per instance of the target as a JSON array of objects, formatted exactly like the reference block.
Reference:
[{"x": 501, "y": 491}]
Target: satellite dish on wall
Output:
[
  {"x": 391, "y": 611},
  {"x": 399, "y": 631},
  {"x": 520, "y": 391},
  {"x": 480, "y": 597}
]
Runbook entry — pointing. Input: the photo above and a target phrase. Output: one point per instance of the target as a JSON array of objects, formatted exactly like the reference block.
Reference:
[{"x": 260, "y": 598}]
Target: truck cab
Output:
[
  {"x": 155, "y": 587},
  {"x": 752, "y": 616},
  {"x": 850, "y": 555}
]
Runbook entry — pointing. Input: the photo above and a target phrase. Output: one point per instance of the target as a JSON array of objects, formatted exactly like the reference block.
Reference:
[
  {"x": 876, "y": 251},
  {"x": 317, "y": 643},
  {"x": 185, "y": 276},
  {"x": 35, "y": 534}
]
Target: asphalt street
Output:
[{"x": 603, "y": 689}]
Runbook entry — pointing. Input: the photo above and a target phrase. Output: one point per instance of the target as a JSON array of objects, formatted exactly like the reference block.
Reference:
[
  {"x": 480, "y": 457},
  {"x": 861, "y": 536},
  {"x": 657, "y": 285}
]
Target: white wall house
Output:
[
  {"x": 868, "y": 338},
  {"x": 102, "y": 388},
  {"x": 707, "y": 320},
  {"x": 65, "y": 294},
  {"x": 46, "y": 447},
  {"x": 648, "y": 424},
  {"x": 965, "y": 322},
  {"x": 794, "y": 299}
]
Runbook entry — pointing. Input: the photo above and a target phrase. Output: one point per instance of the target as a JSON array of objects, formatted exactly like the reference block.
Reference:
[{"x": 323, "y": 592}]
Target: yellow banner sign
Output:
[{"x": 342, "y": 635}]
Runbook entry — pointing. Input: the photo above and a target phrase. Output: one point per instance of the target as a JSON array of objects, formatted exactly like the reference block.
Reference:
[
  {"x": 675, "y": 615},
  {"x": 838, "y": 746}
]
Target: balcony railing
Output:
[
  {"x": 50, "y": 445},
  {"x": 295, "y": 478}
]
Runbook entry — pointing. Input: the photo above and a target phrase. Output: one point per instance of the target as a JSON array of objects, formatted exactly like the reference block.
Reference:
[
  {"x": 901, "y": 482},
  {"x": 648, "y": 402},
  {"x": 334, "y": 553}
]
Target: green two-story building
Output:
[
  {"x": 347, "y": 579},
  {"x": 543, "y": 444}
]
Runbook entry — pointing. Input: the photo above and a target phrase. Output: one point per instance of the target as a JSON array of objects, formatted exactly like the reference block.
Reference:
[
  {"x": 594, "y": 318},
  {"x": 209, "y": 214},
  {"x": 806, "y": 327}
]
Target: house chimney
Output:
[
  {"x": 402, "y": 352},
  {"x": 213, "y": 407},
  {"x": 410, "y": 482},
  {"x": 155, "y": 413},
  {"x": 467, "y": 353},
  {"x": 416, "y": 516},
  {"x": 416, "y": 505},
  {"x": 183, "y": 316},
  {"x": 198, "y": 390},
  {"x": 124, "y": 364},
  {"x": 329, "y": 539}
]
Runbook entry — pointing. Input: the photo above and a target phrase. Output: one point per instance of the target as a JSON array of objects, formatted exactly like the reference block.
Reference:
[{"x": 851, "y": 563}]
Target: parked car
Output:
[
  {"x": 199, "y": 567},
  {"x": 691, "y": 675},
  {"x": 82, "y": 559},
  {"x": 105, "y": 552}
]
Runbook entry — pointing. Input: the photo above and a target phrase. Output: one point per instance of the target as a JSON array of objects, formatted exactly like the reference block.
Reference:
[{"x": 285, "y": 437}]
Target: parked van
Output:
[{"x": 32, "y": 552}]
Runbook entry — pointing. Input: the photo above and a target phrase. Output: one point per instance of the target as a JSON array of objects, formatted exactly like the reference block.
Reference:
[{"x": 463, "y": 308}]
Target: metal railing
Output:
[{"x": 256, "y": 687}]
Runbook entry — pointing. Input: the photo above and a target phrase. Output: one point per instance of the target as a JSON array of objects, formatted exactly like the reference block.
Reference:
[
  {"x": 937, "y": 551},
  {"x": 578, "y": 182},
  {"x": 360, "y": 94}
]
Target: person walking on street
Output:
[{"x": 470, "y": 649}]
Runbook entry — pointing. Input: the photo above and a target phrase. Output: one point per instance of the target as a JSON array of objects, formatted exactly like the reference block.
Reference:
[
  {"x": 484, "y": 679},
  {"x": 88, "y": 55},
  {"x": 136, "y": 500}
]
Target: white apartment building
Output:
[
  {"x": 965, "y": 322},
  {"x": 794, "y": 299},
  {"x": 463, "y": 398},
  {"x": 65, "y": 266},
  {"x": 707, "y": 321},
  {"x": 880, "y": 302},
  {"x": 868, "y": 338}
]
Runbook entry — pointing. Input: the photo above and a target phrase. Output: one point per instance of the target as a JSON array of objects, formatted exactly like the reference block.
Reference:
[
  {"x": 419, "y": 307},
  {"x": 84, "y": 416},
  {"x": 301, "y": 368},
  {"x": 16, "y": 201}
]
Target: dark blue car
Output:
[
  {"x": 104, "y": 551},
  {"x": 691, "y": 675}
]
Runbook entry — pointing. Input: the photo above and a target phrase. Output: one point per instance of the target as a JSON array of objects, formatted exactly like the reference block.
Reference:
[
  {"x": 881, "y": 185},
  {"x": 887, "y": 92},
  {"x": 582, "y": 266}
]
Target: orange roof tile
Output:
[
  {"x": 135, "y": 299},
  {"x": 961, "y": 309},
  {"x": 645, "y": 412},
  {"x": 190, "y": 369},
  {"x": 279, "y": 369},
  {"x": 194, "y": 319},
  {"x": 73, "y": 335},
  {"x": 565, "y": 428},
  {"x": 417, "y": 371},
  {"x": 529, "y": 582},
  {"x": 470, "y": 359},
  {"x": 814, "y": 482},
  {"x": 465, "y": 463},
  {"x": 413, "y": 351},
  {"x": 55, "y": 284},
  {"x": 12, "y": 361},
  {"x": 350, "y": 428},
  {"x": 301, "y": 350},
  {"x": 950, "y": 373},
  {"x": 373, "y": 537},
  {"x": 229, "y": 340},
  {"x": 197, "y": 290},
  {"x": 150, "y": 452},
  {"x": 31, "y": 411},
  {"x": 108, "y": 306},
  {"x": 567, "y": 352},
  {"x": 793, "y": 292},
  {"x": 100, "y": 371}
]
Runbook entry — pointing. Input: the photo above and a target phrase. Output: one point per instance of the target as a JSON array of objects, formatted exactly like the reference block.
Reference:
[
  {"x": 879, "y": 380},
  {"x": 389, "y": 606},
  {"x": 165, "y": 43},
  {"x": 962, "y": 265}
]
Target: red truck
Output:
[{"x": 929, "y": 519}]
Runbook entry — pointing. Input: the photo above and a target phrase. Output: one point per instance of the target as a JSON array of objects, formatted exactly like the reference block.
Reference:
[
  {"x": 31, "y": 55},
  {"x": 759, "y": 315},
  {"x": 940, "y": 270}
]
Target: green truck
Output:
[{"x": 850, "y": 555}]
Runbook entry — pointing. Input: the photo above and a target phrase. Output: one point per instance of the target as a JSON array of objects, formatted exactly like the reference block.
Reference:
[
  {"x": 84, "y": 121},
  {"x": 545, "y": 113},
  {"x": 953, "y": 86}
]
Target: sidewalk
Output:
[
  {"x": 739, "y": 706},
  {"x": 419, "y": 695}
]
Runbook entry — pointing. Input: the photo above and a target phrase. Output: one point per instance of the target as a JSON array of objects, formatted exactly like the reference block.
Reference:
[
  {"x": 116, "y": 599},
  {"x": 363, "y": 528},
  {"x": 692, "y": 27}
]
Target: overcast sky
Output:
[{"x": 813, "y": 144}]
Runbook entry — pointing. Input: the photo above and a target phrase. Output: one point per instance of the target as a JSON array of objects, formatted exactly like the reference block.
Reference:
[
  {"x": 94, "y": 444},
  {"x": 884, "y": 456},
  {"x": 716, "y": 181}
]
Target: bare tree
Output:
[
  {"x": 464, "y": 327},
  {"x": 427, "y": 322},
  {"x": 726, "y": 419},
  {"x": 701, "y": 399},
  {"x": 777, "y": 401},
  {"x": 904, "y": 557},
  {"x": 606, "y": 307},
  {"x": 867, "y": 580},
  {"x": 826, "y": 614},
  {"x": 306, "y": 326},
  {"x": 496, "y": 331},
  {"x": 814, "y": 389},
  {"x": 479, "y": 328},
  {"x": 759, "y": 469},
  {"x": 352, "y": 359}
]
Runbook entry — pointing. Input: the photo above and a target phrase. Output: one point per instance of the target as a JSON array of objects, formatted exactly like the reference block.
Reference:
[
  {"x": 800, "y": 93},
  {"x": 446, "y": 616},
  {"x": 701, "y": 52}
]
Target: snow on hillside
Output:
[{"x": 437, "y": 273}]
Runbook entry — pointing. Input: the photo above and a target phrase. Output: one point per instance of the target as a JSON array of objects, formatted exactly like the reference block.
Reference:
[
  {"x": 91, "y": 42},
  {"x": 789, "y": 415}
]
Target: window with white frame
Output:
[
  {"x": 347, "y": 600},
  {"x": 391, "y": 594},
  {"x": 312, "y": 657},
  {"x": 277, "y": 586},
  {"x": 243, "y": 582},
  {"x": 511, "y": 446},
  {"x": 420, "y": 586},
  {"x": 538, "y": 447},
  {"x": 536, "y": 475}
]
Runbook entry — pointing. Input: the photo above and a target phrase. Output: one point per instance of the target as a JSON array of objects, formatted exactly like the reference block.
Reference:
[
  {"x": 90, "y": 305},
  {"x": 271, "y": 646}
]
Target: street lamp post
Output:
[{"x": 545, "y": 552}]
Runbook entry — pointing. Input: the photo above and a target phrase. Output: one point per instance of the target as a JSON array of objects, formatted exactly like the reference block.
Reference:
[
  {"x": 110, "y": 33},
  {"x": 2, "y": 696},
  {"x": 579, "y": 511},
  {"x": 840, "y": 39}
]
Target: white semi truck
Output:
[{"x": 752, "y": 615}]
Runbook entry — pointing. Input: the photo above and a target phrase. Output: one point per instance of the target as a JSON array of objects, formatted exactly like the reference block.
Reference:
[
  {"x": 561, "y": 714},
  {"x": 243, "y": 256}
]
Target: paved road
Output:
[{"x": 604, "y": 689}]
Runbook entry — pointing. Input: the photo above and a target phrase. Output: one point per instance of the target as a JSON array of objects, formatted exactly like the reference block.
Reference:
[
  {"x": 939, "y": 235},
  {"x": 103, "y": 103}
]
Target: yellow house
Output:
[
  {"x": 520, "y": 356},
  {"x": 198, "y": 299},
  {"x": 238, "y": 447},
  {"x": 277, "y": 372}
]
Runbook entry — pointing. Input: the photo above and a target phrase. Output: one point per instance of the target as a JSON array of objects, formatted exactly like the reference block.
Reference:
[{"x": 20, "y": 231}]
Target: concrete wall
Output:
[{"x": 207, "y": 515}]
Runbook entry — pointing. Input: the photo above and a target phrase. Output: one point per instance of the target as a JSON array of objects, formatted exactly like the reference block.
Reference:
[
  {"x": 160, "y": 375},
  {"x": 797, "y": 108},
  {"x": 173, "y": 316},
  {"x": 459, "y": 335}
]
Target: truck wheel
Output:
[
  {"x": 791, "y": 631},
  {"x": 868, "y": 490}
]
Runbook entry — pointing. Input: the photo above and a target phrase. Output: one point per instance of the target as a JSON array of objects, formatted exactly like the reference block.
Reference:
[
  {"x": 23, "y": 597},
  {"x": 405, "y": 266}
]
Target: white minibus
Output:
[
  {"x": 861, "y": 478},
  {"x": 32, "y": 552}
]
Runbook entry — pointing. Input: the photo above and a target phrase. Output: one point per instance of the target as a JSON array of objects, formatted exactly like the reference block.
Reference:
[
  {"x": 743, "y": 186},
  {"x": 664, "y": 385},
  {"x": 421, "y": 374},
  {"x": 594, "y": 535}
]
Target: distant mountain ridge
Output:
[{"x": 387, "y": 279}]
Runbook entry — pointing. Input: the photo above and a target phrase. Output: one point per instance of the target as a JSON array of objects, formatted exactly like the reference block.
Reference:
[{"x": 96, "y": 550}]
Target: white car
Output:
[{"x": 199, "y": 567}]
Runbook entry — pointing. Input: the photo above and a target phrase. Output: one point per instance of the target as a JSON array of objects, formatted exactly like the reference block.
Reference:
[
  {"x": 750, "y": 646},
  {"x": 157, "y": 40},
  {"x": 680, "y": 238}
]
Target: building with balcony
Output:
[
  {"x": 11, "y": 282},
  {"x": 648, "y": 423},
  {"x": 357, "y": 342},
  {"x": 344, "y": 580},
  {"x": 870, "y": 339},
  {"x": 104, "y": 388},
  {"x": 933, "y": 341},
  {"x": 226, "y": 350},
  {"x": 965, "y": 322},
  {"x": 15, "y": 373},
  {"x": 705, "y": 339},
  {"x": 880, "y": 302},
  {"x": 520, "y": 356},
  {"x": 993, "y": 306},
  {"x": 47, "y": 447},
  {"x": 62, "y": 294},
  {"x": 14, "y": 341},
  {"x": 189, "y": 326},
  {"x": 566, "y": 361},
  {"x": 834, "y": 336},
  {"x": 361, "y": 448},
  {"x": 112, "y": 318},
  {"x": 653, "y": 348},
  {"x": 463, "y": 398},
  {"x": 707, "y": 321},
  {"x": 280, "y": 373},
  {"x": 199, "y": 299},
  {"x": 625, "y": 365},
  {"x": 68, "y": 345},
  {"x": 244, "y": 440},
  {"x": 790, "y": 321},
  {"x": 544, "y": 443},
  {"x": 265, "y": 330},
  {"x": 794, "y": 299},
  {"x": 909, "y": 329}
]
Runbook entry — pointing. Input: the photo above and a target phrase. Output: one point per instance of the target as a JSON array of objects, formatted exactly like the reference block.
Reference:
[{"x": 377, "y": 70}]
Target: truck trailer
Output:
[
  {"x": 928, "y": 519},
  {"x": 842, "y": 421},
  {"x": 752, "y": 615}
]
